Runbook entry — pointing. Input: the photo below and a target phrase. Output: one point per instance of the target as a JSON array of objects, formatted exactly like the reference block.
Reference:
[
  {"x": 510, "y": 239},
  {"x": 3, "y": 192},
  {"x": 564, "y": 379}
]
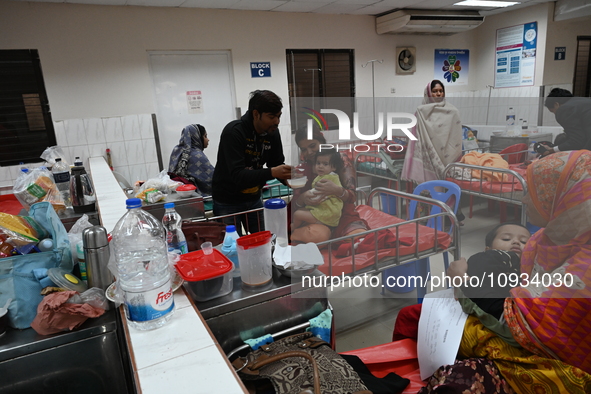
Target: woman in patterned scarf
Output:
[
  {"x": 188, "y": 161},
  {"x": 549, "y": 322}
]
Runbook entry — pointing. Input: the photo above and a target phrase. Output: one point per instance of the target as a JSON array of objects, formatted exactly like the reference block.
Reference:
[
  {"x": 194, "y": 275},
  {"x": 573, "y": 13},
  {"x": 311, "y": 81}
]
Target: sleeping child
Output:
[{"x": 328, "y": 163}]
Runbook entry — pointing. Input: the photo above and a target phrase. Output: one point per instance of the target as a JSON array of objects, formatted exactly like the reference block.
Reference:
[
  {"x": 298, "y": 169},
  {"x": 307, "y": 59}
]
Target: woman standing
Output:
[
  {"x": 439, "y": 137},
  {"x": 188, "y": 161}
]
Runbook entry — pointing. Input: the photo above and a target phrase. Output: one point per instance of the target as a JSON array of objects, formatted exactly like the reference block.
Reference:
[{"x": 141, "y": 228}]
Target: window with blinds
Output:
[
  {"x": 26, "y": 128},
  {"x": 320, "y": 78},
  {"x": 582, "y": 79}
]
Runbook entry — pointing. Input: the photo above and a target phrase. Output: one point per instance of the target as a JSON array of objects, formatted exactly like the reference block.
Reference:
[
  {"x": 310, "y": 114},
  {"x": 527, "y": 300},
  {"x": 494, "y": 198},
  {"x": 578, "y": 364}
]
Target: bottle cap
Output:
[
  {"x": 275, "y": 203},
  {"x": 168, "y": 205},
  {"x": 230, "y": 228},
  {"x": 133, "y": 203},
  {"x": 58, "y": 159}
]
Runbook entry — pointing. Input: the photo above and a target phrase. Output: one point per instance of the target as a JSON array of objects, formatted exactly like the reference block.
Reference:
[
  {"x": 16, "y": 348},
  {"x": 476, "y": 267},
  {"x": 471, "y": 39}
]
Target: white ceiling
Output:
[{"x": 353, "y": 7}]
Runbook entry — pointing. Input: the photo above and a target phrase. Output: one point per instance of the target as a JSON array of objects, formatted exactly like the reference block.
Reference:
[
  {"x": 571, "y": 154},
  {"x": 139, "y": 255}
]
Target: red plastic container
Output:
[{"x": 206, "y": 276}]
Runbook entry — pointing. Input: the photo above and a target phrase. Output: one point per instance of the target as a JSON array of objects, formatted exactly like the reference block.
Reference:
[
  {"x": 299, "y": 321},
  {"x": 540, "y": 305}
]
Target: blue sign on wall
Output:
[
  {"x": 559, "y": 53},
  {"x": 260, "y": 69}
]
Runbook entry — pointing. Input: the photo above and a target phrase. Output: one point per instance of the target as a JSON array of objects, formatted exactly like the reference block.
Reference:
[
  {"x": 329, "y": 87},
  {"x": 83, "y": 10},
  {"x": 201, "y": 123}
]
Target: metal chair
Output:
[{"x": 443, "y": 191}]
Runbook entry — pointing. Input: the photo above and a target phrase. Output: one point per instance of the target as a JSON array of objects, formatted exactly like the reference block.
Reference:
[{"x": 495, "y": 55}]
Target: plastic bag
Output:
[
  {"x": 52, "y": 153},
  {"x": 36, "y": 186},
  {"x": 95, "y": 297},
  {"x": 162, "y": 183}
]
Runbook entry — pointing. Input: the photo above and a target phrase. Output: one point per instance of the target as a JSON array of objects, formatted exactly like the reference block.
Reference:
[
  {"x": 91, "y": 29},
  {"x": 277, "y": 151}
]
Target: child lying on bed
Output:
[
  {"x": 502, "y": 253},
  {"x": 499, "y": 265},
  {"x": 327, "y": 165}
]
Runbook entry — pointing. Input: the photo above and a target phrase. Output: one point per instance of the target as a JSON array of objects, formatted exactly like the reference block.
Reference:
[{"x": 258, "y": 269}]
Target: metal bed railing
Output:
[
  {"x": 476, "y": 188},
  {"x": 403, "y": 200}
]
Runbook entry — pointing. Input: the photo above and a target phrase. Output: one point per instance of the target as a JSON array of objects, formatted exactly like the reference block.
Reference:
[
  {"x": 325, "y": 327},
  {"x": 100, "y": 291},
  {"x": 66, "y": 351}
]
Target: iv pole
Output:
[
  {"x": 373, "y": 90},
  {"x": 313, "y": 69}
]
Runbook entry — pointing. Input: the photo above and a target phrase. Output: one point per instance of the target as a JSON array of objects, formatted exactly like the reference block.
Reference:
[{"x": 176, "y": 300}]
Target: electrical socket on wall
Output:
[{"x": 392, "y": 90}]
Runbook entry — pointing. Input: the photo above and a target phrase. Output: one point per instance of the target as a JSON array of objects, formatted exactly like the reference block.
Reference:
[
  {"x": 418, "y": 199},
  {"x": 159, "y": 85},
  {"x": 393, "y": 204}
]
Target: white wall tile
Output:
[
  {"x": 149, "y": 151},
  {"x": 118, "y": 153},
  {"x": 145, "y": 125},
  {"x": 96, "y": 150},
  {"x": 75, "y": 132},
  {"x": 131, "y": 128},
  {"x": 5, "y": 175},
  {"x": 113, "y": 130},
  {"x": 152, "y": 169},
  {"x": 135, "y": 153},
  {"x": 60, "y": 133},
  {"x": 137, "y": 173},
  {"x": 95, "y": 131}
]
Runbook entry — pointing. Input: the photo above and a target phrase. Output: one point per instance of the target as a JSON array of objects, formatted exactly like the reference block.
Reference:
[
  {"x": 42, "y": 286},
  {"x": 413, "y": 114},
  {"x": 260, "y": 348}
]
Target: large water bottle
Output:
[
  {"x": 140, "y": 250},
  {"x": 61, "y": 177},
  {"x": 229, "y": 248},
  {"x": 175, "y": 239},
  {"x": 510, "y": 120}
]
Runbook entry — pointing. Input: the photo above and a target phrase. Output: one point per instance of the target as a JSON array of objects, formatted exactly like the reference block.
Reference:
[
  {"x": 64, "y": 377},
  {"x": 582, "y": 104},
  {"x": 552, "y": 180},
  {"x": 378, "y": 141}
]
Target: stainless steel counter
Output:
[
  {"x": 87, "y": 360},
  {"x": 188, "y": 208},
  {"x": 245, "y": 314}
]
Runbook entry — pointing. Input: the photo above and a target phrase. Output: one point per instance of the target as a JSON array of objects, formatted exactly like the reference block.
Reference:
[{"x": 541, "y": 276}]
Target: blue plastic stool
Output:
[
  {"x": 388, "y": 203},
  {"x": 422, "y": 266}
]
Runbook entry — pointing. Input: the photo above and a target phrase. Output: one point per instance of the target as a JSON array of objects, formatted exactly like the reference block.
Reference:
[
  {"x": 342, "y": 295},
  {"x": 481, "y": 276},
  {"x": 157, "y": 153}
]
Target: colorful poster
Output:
[
  {"x": 515, "y": 60},
  {"x": 451, "y": 65}
]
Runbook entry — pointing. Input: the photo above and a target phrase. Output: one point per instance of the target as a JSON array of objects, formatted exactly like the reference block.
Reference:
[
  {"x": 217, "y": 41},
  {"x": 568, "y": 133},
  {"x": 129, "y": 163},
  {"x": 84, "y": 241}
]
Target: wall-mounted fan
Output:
[{"x": 406, "y": 62}]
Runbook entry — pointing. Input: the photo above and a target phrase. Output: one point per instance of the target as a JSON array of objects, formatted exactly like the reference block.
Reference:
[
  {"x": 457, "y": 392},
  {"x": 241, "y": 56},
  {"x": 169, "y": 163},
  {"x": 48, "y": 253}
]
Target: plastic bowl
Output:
[
  {"x": 296, "y": 183},
  {"x": 498, "y": 133},
  {"x": 185, "y": 193}
]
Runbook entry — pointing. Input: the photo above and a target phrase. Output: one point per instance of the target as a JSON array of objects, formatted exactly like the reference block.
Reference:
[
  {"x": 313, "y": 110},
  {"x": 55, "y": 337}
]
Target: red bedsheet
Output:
[
  {"x": 493, "y": 187},
  {"x": 377, "y": 219},
  {"x": 399, "y": 357}
]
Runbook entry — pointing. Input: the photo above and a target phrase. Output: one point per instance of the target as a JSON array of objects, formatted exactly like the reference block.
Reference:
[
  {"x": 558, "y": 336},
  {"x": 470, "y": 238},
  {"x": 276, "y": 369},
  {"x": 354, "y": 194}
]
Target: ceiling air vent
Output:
[{"x": 425, "y": 22}]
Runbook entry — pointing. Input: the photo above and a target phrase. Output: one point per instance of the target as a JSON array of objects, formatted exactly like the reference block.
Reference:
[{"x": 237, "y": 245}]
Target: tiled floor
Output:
[{"x": 364, "y": 317}]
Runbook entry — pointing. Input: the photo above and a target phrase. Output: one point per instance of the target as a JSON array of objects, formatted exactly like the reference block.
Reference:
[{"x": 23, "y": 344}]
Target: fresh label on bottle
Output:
[
  {"x": 149, "y": 305},
  {"x": 180, "y": 248}
]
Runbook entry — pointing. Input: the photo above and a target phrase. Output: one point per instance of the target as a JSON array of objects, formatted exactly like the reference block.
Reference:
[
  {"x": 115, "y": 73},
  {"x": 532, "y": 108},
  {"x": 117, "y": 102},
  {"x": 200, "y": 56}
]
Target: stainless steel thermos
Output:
[{"x": 96, "y": 255}]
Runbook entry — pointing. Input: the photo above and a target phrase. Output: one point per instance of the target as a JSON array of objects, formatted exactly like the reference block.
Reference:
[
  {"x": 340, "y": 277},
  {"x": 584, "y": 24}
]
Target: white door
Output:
[{"x": 192, "y": 87}]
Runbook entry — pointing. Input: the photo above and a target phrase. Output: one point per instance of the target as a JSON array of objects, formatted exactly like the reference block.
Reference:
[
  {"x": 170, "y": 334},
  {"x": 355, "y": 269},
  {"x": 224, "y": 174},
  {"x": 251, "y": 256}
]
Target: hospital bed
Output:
[
  {"x": 509, "y": 190},
  {"x": 409, "y": 240}
]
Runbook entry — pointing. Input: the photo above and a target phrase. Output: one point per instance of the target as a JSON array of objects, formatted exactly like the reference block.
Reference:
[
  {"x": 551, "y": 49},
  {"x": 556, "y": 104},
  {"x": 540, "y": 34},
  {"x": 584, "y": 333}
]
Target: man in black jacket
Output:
[
  {"x": 574, "y": 115},
  {"x": 246, "y": 145}
]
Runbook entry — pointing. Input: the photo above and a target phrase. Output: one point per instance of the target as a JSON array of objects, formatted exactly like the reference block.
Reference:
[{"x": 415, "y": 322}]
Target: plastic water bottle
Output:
[
  {"x": 140, "y": 252},
  {"x": 510, "y": 119},
  {"x": 175, "y": 239},
  {"x": 229, "y": 248},
  {"x": 78, "y": 162},
  {"x": 61, "y": 177}
]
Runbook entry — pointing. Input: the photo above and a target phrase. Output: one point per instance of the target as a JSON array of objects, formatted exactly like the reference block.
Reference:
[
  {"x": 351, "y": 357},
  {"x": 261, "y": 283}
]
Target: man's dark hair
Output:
[
  {"x": 557, "y": 95},
  {"x": 264, "y": 101},
  {"x": 491, "y": 235},
  {"x": 334, "y": 158},
  {"x": 302, "y": 134},
  {"x": 437, "y": 82}
]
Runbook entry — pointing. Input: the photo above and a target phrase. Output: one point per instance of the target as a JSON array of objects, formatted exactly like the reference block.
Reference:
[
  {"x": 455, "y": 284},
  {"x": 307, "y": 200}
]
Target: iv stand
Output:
[
  {"x": 373, "y": 90},
  {"x": 313, "y": 69}
]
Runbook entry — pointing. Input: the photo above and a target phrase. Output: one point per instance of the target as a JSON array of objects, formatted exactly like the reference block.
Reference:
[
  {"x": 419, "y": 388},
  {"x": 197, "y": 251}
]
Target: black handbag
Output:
[
  {"x": 299, "y": 364},
  {"x": 198, "y": 232}
]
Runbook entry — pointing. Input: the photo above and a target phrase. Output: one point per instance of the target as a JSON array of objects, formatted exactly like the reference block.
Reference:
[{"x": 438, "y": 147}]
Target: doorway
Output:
[{"x": 192, "y": 87}]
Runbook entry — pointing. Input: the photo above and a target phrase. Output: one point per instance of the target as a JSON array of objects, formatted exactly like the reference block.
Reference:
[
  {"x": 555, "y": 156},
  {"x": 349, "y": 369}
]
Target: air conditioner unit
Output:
[{"x": 425, "y": 22}]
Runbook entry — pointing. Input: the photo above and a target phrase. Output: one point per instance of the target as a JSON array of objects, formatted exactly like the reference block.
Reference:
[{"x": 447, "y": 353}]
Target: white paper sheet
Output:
[
  {"x": 298, "y": 257},
  {"x": 440, "y": 331}
]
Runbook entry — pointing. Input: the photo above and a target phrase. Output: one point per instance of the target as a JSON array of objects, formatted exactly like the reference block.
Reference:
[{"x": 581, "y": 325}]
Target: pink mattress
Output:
[{"x": 377, "y": 219}]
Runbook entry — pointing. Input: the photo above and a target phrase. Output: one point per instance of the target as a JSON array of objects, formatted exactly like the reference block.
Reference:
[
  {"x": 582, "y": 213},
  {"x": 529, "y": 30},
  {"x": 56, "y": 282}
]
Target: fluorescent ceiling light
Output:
[{"x": 487, "y": 3}]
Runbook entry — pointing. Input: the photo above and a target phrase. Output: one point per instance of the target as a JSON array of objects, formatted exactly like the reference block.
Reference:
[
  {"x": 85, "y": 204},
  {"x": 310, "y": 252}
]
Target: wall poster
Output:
[
  {"x": 515, "y": 60},
  {"x": 451, "y": 65},
  {"x": 195, "y": 102}
]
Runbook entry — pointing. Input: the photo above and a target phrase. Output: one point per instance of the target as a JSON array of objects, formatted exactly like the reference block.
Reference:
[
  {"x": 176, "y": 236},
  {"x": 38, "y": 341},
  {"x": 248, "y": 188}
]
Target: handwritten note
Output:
[{"x": 440, "y": 331}]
